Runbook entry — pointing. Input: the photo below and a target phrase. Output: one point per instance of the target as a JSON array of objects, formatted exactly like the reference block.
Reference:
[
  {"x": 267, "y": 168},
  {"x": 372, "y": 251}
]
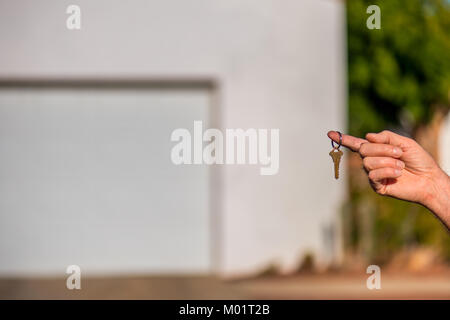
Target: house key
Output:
[{"x": 336, "y": 155}]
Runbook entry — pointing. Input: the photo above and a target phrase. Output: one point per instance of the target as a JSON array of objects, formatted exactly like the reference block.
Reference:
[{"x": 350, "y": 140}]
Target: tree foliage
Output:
[
  {"x": 399, "y": 76},
  {"x": 400, "y": 73}
]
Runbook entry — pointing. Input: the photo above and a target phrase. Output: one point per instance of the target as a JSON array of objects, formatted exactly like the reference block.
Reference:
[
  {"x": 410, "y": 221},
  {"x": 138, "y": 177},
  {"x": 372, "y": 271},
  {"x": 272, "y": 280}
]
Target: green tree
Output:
[
  {"x": 399, "y": 78},
  {"x": 399, "y": 75}
]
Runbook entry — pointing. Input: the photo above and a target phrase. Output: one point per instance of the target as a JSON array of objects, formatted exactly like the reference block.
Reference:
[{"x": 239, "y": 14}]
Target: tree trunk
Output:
[{"x": 427, "y": 135}]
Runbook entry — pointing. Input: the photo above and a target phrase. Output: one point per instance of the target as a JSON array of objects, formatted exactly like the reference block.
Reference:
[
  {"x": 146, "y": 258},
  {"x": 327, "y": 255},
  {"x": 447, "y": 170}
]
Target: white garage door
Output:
[{"x": 86, "y": 179}]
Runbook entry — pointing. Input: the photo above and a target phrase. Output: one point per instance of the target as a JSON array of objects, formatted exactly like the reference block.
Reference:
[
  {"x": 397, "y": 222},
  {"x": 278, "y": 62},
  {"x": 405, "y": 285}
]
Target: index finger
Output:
[{"x": 353, "y": 143}]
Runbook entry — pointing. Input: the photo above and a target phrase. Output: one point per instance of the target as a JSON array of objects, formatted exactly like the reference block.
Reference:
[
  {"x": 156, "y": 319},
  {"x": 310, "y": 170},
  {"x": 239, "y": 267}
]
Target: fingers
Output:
[
  {"x": 380, "y": 150},
  {"x": 380, "y": 179},
  {"x": 388, "y": 137},
  {"x": 377, "y": 175},
  {"x": 381, "y": 170},
  {"x": 373, "y": 163},
  {"x": 348, "y": 141},
  {"x": 380, "y": 153}
]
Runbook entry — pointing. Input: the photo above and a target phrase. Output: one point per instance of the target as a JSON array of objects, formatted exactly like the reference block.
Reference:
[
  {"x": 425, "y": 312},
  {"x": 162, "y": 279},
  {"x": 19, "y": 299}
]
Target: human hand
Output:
[{"x": 399, "y": 167}]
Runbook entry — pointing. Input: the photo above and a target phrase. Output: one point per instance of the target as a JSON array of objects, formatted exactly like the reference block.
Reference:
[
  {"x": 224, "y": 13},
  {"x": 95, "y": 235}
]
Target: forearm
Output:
[{"x": 438, "y": 200}]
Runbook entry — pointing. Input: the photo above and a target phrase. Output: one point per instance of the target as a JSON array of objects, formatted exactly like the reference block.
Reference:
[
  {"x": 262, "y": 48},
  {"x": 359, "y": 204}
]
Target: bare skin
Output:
[{"x": 399, "y": 167}]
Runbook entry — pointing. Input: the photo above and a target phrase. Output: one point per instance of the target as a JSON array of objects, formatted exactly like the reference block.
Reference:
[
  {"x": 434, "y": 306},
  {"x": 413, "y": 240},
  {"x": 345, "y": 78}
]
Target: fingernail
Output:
[
  {"x": 397, "y": 172},
  {"x": 397, "y": 151},
  {"x": 400, "y": 164}
]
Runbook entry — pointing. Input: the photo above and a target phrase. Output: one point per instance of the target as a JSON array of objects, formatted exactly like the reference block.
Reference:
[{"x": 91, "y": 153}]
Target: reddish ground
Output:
[{"x": 313, "y": 286}]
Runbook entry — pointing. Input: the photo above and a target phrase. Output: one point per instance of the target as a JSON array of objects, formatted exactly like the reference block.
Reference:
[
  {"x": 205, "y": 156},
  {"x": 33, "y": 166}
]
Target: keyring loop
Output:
[{"x": 340, "y": 141}]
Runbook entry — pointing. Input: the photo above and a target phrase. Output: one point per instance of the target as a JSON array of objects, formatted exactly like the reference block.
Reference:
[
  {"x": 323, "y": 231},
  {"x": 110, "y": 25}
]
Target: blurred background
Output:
[
  {"x": 399, "y": 79},
  {"x": 86, "y": 177}
]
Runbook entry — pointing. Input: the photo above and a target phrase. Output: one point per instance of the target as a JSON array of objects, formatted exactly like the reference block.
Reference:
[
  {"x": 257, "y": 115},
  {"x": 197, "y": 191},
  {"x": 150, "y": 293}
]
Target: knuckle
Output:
[
  {"x": 411, "y": 142},
  {"x": 394, "y": 163},
  {"x": 393, "y": 151},
  {"x": 366, "y": 163},
  {"x": 381, "y": 191},
  {"x": 363, "y": 149}
]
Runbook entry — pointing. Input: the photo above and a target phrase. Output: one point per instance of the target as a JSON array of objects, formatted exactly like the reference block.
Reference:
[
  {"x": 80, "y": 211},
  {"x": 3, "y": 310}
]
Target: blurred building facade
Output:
[{"x": 254, "y": 64}]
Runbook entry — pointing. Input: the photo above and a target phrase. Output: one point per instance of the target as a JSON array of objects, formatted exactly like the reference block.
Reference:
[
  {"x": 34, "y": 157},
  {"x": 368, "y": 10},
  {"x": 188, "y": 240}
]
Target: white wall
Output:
[
  {"x": 279, "y": 64},
  {"x": 86, "y": 179}
]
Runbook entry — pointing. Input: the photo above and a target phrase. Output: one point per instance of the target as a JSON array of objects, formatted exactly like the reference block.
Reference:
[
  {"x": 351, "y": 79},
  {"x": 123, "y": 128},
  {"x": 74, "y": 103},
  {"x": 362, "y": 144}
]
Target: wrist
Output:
[{"x": 437, "y": 197}]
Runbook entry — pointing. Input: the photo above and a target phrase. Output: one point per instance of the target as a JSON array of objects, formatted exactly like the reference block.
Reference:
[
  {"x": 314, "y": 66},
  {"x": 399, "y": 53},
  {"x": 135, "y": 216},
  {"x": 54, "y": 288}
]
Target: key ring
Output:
[{"x": 340, "y": 141}]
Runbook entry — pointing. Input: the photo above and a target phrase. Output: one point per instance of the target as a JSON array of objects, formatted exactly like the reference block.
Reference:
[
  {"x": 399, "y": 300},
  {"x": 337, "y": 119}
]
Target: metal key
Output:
[{"x": 336, "y": 155}]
